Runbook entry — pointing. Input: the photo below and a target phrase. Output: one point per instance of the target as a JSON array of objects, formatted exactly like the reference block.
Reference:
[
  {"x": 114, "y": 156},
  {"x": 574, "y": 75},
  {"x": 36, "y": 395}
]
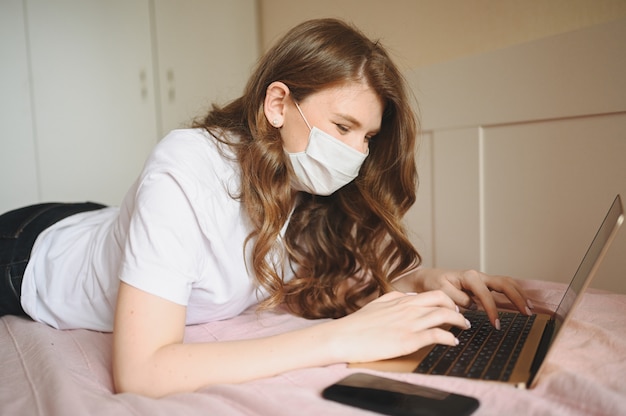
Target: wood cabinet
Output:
[{"x": 89, "y": 87}]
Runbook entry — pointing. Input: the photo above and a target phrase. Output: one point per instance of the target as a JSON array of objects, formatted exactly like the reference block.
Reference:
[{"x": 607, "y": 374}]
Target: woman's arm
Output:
[{"x": 150, "y": 358}]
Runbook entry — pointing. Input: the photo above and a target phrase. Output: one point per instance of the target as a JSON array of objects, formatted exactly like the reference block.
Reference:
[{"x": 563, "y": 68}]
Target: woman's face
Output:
[{"x": 351, "y": 113}]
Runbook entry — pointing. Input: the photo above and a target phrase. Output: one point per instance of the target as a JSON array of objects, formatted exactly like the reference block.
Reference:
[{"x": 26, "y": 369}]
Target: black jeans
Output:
[{"x": 18, "y": 231}]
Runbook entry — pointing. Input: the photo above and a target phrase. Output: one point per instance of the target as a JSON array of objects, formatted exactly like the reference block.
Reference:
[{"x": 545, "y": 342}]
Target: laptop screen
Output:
[{"x": 590, "y": 262}]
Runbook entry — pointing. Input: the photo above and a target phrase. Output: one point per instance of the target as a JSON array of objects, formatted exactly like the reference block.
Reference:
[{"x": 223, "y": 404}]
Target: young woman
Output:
[{"x": 291, "y": 195}]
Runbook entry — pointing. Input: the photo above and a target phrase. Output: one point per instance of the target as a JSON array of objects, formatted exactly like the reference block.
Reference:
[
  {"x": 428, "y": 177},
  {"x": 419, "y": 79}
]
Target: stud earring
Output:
[{"x": 275, "y": 122}]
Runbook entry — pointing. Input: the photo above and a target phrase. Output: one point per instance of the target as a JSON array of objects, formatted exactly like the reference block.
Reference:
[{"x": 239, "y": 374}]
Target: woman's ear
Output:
[{"x": 274, "y": 105}]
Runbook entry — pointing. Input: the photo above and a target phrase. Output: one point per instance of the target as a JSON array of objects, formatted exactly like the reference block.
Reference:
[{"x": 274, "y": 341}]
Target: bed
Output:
[{"x": 51, "y": 372}]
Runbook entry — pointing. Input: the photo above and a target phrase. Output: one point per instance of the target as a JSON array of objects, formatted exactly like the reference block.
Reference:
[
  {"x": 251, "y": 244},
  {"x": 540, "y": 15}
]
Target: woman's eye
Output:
[{"x": 342, "y": 128}]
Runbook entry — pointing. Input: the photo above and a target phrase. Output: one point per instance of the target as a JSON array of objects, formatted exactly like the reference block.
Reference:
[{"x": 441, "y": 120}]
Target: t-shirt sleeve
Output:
[{"x": 161, "y": 250}]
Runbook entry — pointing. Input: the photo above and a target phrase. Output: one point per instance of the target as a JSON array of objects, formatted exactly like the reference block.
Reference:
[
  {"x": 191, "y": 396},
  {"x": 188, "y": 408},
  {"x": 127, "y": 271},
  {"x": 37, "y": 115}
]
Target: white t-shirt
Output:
[{"x": 179, "y": 234}]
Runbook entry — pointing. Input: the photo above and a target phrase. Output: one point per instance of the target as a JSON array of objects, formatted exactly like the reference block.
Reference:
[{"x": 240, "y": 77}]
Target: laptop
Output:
[{"x": 516, "y": 353}]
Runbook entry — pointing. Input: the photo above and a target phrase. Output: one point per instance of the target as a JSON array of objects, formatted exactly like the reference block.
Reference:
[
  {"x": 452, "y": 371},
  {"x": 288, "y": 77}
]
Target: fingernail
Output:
[
  {"x": 530, "y": 303},
  {"x": 411, "y": 293},
  {"x": 456, "y": 341},
  {"x": 468, "y": 324},
  {"x": 528, "y": 311},
  {"x": 457, "y": 308},
  {"x": 498, "y": 324}
]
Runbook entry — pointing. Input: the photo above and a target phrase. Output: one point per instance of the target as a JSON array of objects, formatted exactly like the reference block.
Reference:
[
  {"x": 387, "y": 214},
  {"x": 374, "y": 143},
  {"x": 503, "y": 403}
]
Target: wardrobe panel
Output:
[
  {"x": 18, "y": 164},
  {"x": 206, "y": 50},
  {"x": 93, "y": 96}
]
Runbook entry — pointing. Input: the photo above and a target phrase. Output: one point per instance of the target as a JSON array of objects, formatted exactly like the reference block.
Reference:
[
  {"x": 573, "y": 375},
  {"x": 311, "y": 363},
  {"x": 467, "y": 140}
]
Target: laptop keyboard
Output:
[{"x": 483, "y": 352}]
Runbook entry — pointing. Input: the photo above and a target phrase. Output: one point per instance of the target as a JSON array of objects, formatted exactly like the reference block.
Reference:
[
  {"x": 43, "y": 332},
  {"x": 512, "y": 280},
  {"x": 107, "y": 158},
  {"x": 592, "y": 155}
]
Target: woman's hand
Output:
[
  {"x": 466, "y": 286},
  {"x": 395, "y": 324}
]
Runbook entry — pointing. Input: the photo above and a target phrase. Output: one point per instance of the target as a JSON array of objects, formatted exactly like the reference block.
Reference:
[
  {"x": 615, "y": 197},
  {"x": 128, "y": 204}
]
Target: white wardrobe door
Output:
[
  {"x": 94, "y": 104},
  {"x": 206, "y": 50},
  {"x": 18, "y": 166}
]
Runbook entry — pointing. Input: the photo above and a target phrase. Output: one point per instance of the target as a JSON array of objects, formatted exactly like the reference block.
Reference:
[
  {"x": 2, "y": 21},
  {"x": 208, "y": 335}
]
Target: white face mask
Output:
[{"x": 327, "y": 163}]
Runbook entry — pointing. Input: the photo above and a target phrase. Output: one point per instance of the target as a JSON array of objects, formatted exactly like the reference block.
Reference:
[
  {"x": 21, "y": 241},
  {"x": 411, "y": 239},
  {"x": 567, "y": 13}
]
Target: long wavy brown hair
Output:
[{"x": 348, "y": 246}]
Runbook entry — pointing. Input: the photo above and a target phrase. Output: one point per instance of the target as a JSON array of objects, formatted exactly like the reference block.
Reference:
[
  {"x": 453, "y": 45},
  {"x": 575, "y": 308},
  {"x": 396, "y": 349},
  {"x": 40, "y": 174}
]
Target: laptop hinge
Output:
[{"x": 542, "y": 349}]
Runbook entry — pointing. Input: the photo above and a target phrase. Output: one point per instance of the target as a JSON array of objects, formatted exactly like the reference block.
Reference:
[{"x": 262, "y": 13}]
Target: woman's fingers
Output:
[
  {"x": 430, "y": 298},
  {"x": 459, "y": 297},
  {"x": 512, "y": 290},
  {"x": 433, "y": 298},
  {"x": 398, "y": 324},
  {"x": 464, "y": 287},
  {"x": 482, "y": 285},
  {"x": 417, "y": 311},
  {"x": 473, "y": 282}
]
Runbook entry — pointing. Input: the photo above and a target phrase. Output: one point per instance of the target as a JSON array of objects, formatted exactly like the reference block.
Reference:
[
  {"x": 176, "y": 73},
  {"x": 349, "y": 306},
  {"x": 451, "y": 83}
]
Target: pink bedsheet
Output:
[{"x": 49, "y": 372}]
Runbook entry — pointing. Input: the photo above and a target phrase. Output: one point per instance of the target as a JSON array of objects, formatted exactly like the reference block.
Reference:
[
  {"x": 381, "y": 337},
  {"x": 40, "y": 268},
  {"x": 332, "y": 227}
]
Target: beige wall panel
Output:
[
  {"x": 573, "y": 74},
  {"x": 547, "y": 186},
  {"x": 456, "y": 198},
  {"x": 528, "y": 152},
  {"x": 419, "y": 219},
  {"x": 424, "y": 32}
]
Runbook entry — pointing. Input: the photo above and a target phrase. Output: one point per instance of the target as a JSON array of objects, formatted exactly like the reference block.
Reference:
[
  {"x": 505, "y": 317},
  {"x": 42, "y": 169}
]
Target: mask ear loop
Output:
[{"x": 302, "y": 114}]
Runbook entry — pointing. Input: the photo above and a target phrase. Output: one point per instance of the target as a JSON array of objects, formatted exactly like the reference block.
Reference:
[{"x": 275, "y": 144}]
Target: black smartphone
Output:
[{"x": 397, "y": 398}]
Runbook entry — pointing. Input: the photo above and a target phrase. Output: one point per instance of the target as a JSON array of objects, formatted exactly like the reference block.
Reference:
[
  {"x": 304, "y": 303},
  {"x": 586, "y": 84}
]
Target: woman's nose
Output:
[{"x": 358, "y": 142}]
